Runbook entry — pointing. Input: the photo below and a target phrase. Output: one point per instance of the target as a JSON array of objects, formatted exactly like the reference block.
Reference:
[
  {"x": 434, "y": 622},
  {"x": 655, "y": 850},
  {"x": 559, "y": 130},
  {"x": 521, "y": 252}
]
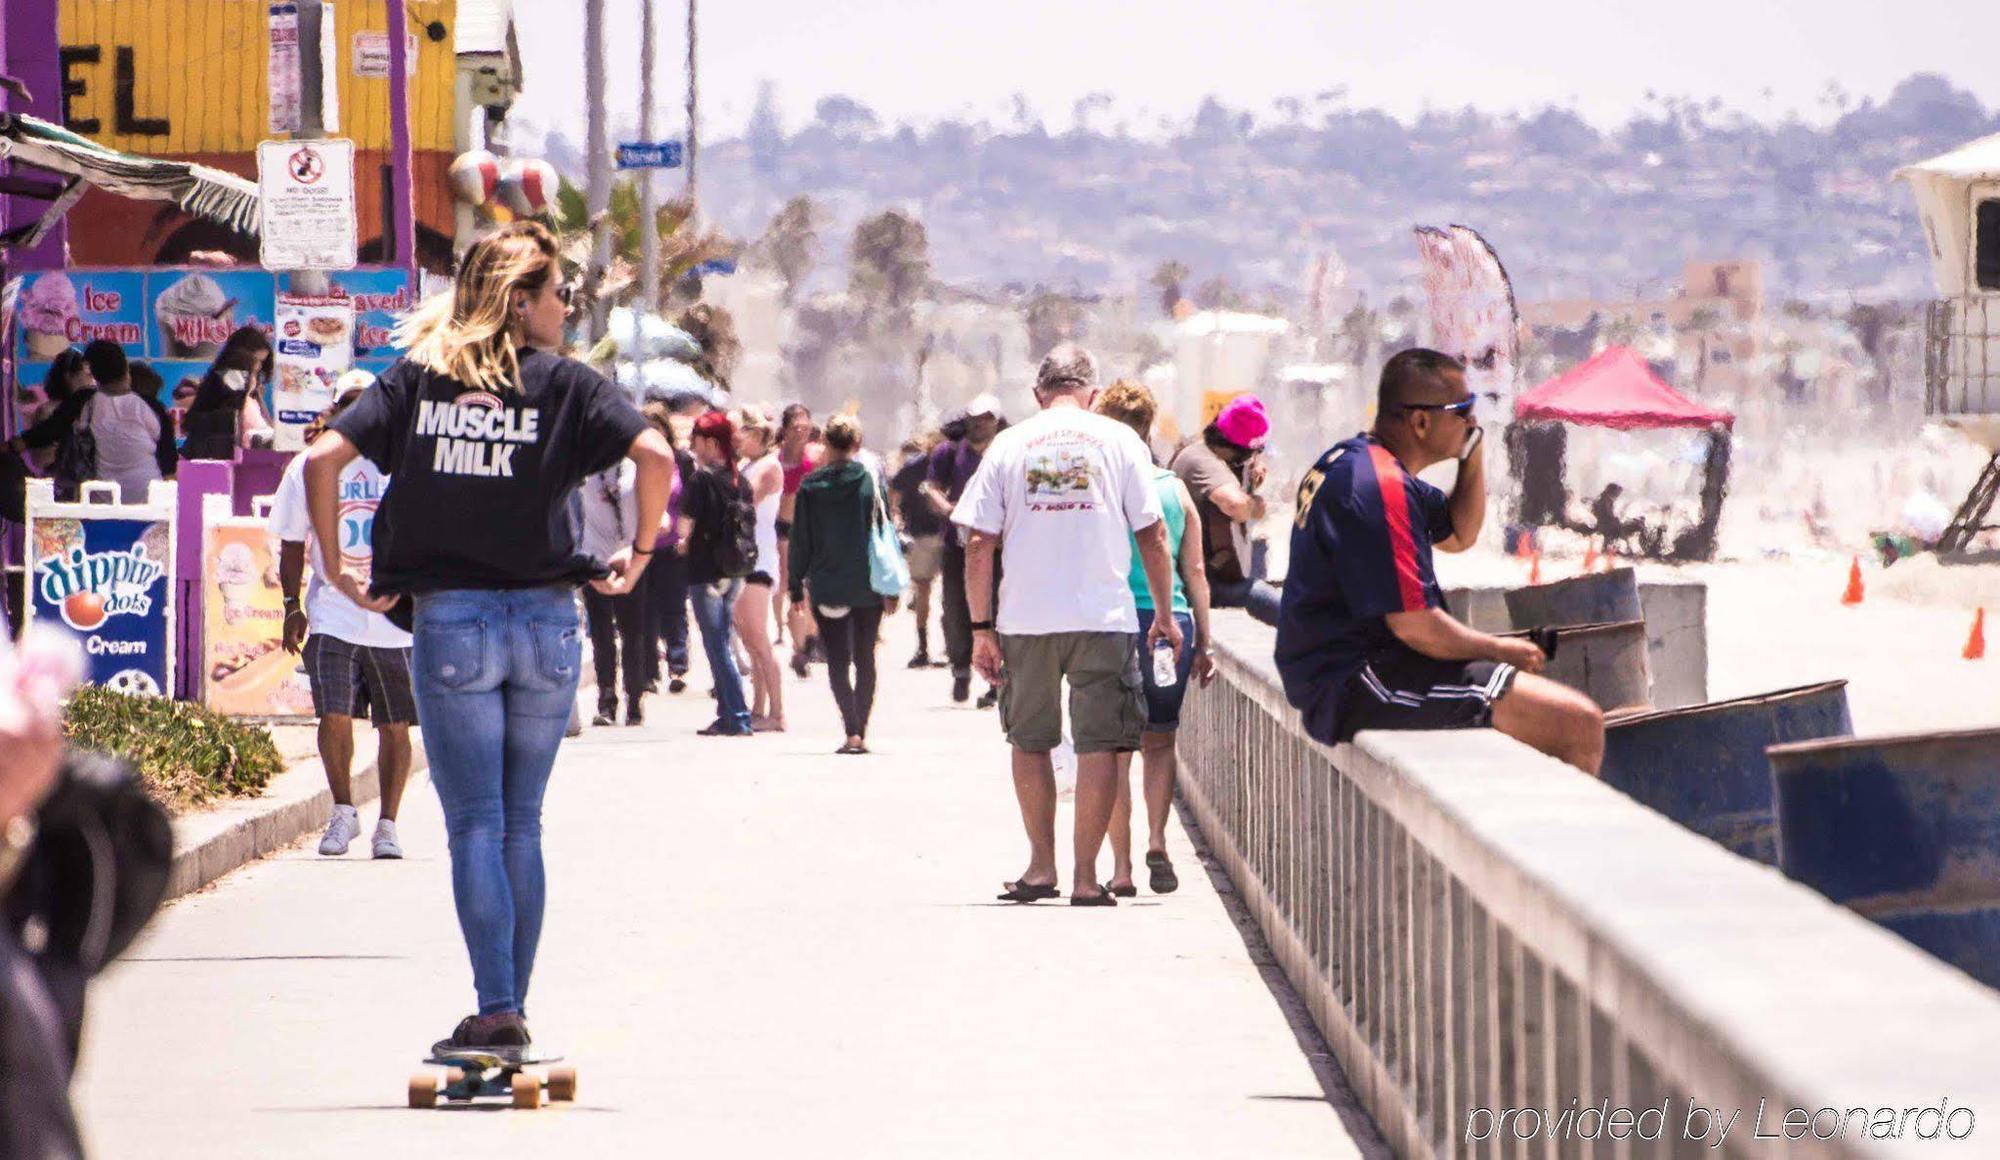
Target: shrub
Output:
[{"x": 186, "y": 753}]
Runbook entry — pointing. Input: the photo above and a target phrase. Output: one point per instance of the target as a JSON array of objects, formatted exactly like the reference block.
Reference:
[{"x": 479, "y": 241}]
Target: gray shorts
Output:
[
  {"x": 925, "y": 557},
  {"x": 1107, "y": 709},
  {"x": 352, "y": 680}
]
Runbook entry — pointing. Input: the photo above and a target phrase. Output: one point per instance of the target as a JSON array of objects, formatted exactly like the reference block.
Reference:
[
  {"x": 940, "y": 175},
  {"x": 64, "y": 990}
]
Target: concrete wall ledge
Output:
[
  {"x": 1476, "y": 925},
  {"x": 212, "y": 842}
]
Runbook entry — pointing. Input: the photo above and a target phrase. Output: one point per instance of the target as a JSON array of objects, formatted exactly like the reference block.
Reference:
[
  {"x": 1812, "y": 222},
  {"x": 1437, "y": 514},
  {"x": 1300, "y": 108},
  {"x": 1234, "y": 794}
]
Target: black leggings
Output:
[
  {"x": 618, "y": 632},
  {"x": 849, "y": 640}
]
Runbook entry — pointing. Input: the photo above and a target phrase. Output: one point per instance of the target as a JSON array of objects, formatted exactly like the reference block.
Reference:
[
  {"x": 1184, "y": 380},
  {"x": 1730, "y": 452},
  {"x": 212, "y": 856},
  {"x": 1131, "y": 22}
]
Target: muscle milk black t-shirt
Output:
[{"x": 480, "y": 482}]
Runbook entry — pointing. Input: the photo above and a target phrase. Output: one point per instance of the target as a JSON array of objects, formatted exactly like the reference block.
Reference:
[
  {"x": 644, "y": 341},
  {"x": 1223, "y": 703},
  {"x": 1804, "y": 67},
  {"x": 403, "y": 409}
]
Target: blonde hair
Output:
[
  {"x": 751, "y": 417},
  {"x": 468, "y": 333},
  {"x": 843, "y": 434},
  {"x": 1130, "y": 403}
]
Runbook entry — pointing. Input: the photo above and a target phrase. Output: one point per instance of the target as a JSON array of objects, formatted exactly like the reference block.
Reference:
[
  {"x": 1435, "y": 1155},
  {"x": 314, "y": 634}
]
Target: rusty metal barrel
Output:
[
  {"x": 1594, "y": 598},
  {"x": 1704, "y": 765},
  {"x": 1606, "y": 662},
  {"x": 1903, "y": 830}
]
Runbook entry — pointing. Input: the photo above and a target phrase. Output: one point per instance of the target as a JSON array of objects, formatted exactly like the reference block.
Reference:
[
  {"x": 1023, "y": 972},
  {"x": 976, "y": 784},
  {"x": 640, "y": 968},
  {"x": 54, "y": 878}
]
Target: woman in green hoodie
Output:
[{"x": 831, "y": 524}]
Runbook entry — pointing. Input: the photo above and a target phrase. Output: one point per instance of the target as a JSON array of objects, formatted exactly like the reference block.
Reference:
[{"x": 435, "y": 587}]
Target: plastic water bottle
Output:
[{"x": 1166, "y": 673}]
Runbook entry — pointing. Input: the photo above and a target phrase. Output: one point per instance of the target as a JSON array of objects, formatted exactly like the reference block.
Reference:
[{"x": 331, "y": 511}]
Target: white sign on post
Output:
[
  {"x": 371, "y": 54},
  {"x": 306, "y": 204},
  {"x": 314, "y": 337}
]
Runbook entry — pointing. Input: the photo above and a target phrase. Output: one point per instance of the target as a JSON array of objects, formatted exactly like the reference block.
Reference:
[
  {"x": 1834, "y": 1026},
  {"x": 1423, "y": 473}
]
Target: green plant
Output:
[{"x": 186, "y": 753}]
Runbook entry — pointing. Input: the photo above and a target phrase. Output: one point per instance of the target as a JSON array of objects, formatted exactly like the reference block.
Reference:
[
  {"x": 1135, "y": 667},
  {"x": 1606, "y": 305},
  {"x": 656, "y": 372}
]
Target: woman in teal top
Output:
[{"x": 1132, "y": 404}]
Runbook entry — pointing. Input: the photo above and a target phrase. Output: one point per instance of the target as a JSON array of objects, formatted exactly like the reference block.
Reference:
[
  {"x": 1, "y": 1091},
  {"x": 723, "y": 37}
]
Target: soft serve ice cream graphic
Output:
[
  {"x": 195, "y": 317},
  {"x": 48, "y": 314}
]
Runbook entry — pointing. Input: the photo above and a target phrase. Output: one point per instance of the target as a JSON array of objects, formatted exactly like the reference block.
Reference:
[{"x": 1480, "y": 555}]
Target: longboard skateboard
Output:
[{"x": 475, "y": 1073}]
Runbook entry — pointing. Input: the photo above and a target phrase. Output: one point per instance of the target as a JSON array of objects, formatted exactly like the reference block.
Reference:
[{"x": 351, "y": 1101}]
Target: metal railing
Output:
[
  {"x": 1962, "y": 355},
  {"x": 1481, "y": 932}
]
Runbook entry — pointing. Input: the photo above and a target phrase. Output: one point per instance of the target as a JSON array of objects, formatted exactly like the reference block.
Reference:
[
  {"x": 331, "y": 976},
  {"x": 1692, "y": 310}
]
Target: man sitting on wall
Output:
[{"x": 1364, "y": 638}]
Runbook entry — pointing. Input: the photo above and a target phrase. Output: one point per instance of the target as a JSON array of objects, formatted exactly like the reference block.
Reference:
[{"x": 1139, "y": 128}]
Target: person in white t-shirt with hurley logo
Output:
[
  {"x": 1064, "y": 495},
  {"x": 357, "y": 661}
]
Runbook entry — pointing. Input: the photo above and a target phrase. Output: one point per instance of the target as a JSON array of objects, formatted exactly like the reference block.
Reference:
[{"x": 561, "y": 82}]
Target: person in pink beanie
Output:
[{"x": 1224, "y": 469}]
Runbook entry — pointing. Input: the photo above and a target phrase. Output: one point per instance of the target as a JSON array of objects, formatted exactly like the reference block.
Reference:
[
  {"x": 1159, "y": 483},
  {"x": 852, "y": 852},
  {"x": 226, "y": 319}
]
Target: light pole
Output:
[
  {"x": 598, "y": 177},
  {"x": 403, "y": 206},
  {"x": 694, "y": 137},
  {"x": 649, "y": 223}
]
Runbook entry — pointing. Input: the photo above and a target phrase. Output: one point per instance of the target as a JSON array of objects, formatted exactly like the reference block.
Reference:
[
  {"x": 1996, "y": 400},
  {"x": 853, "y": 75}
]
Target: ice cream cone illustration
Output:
[
  {"x": 235, "y": 575},
  {"x": 48, "y": 315}
]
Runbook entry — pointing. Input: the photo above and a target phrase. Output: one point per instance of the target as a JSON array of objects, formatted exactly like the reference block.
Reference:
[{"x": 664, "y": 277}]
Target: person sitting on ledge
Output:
[{"x": 1364, "y": 638}]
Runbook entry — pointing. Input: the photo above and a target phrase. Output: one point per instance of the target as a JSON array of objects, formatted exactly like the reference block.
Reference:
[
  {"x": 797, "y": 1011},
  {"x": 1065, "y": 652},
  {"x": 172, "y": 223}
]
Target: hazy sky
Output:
[{"x": 921, "y": 60}]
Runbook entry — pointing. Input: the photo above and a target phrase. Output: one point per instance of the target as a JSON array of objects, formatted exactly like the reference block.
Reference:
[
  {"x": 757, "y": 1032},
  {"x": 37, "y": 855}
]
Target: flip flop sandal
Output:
[
  {"x": 1164, "y": 881},
  {"x": 1101, "y": 898},
  {"x": 1123, "y": 891},
  {"x": 1030, "y": 892}
]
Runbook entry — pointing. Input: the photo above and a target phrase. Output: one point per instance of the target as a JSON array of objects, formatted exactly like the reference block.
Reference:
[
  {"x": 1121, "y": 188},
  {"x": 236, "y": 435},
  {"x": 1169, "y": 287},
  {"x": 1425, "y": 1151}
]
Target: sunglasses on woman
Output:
[
  {"x": 565, "y": 292},
  {"x": 1462, "y": 408}
]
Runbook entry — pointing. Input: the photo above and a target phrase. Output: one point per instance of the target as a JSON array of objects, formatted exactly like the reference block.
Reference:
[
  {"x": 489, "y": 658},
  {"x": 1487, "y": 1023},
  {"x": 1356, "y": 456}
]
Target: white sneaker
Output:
[
  {"x": 386, "y": 845},
  {"x": 343, "y": 827}
]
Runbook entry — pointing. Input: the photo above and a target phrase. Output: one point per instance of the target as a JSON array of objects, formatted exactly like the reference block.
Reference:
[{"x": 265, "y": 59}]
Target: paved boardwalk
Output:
[{"x": 753, "y": 948}]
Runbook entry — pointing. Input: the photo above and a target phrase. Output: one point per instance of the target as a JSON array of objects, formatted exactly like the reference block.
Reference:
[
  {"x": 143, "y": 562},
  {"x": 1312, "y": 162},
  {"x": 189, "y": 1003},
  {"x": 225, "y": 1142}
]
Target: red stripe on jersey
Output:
[{"x": 1390, "y": 481}]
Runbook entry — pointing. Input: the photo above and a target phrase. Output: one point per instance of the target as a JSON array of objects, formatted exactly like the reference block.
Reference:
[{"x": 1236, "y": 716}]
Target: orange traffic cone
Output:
[
  {"x": 1975, "y": 645},
  {"x": 1589, "y": 554},
  {"x": 1854, "y": 591},
  {"x": 1535, "y": 568}
]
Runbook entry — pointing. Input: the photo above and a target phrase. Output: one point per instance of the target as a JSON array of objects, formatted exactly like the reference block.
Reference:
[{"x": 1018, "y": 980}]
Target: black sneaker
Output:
[
  {"x": 921, "y": 661},
  {"x": 502, "y": 1032},
  {"x": 961, "y": 688},
  {"x": 676, "y": 683},
  {"x": 607, "y": 713},
  {"x": 988, "y": 699},
  {"x": 635, "y": 713}
]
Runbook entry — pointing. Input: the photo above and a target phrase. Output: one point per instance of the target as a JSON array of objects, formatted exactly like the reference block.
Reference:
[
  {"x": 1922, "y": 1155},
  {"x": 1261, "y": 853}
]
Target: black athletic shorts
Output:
[{"x": 1405, "y": 690}]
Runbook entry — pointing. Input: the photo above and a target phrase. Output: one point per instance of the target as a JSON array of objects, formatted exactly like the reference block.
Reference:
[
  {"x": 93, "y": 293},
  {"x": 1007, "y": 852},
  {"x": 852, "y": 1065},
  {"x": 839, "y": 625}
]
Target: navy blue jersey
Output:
[{"x": 1361, "y": 549}]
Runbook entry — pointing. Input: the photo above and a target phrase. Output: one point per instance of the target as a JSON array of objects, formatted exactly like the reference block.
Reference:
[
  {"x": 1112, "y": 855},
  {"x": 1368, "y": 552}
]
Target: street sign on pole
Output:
[{"x": 649, "y": 155}]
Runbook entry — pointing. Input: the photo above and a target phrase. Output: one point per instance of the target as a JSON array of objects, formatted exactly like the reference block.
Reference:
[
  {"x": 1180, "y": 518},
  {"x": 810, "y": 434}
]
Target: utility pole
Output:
[
  {"x": 403, "y": 207},
  {"x": 694, "y": 136},
  {"x": 597, "y": 196},
  {"x": 649, "y": 211}
]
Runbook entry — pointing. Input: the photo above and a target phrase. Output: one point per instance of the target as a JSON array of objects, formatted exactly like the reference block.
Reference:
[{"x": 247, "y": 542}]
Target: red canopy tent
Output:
[{"x": 1615, "y": 388}]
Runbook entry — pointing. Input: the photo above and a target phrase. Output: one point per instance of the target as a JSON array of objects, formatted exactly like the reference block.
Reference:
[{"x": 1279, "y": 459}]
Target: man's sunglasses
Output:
[{"x": 1462, "y": 408}]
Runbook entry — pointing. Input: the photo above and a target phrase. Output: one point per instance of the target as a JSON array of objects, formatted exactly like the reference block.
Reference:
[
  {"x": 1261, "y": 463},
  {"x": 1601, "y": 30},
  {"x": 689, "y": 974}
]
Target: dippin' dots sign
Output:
[{"x": 89, "y": 589}]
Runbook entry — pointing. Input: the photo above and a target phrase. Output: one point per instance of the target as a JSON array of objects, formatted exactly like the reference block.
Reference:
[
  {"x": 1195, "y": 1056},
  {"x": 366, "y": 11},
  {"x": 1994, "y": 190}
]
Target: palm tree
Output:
[{"x": 1169, "y": 276}]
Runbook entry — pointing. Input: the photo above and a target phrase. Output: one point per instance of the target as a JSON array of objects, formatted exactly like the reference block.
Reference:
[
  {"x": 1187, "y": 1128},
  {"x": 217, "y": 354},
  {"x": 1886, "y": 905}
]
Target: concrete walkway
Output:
[{"x": 753, "y": 948}]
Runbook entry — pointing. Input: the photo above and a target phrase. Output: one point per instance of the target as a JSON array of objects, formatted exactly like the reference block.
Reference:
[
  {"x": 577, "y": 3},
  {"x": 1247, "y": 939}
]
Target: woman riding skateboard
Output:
[{"x": 487, "y": 433}]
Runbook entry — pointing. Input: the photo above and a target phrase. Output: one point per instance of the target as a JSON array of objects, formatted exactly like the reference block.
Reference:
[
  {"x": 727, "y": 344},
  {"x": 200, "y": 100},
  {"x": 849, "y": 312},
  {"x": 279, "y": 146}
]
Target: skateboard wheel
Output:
[
  {"x": 562, "y": 1083},
  {"x": 527, "y": 1090},
  {"x": 423, "y": 1090}
]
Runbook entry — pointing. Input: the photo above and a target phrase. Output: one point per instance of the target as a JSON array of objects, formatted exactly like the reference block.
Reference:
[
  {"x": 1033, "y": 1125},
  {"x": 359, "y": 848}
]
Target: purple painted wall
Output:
[{"x": 32, "y": 57}]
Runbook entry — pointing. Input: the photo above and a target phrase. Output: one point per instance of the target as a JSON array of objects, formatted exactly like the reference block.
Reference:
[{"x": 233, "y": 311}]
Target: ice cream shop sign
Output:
[{"x": 61, "y": 310}]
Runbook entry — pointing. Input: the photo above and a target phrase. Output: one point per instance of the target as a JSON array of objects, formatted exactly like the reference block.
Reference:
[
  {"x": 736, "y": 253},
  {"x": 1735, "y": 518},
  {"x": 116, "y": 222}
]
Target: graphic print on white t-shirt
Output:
[
  {"x": 1059, "y": 479},
  {"x": 476, "y": 433},
  {"x": 362, "y": 486}
]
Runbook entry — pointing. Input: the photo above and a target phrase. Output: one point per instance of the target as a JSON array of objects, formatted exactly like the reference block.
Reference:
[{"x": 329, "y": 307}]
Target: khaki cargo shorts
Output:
[
  {"x": 1107, "y": 708},
  {"x": 925, "y": 557}
]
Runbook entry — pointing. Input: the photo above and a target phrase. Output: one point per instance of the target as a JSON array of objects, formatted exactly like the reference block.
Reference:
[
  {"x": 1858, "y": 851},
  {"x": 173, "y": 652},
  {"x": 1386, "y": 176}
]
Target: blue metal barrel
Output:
[
  {"x": 1606, "y": 662},
  {"x": 1704, "y": 765},
  {"x": 1903, "y": 830},
  {"x": 1593, "y": 598}
]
